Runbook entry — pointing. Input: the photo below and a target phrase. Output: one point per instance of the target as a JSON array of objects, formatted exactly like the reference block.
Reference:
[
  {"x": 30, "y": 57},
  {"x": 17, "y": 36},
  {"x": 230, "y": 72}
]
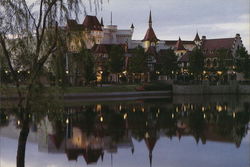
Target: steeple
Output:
[
  {"x": 197, "y": 37},
  {"x": 150, "y": 34},
  {"x": 132, "y": 26},
  {"x": 179, "y": 45},
  {"x": 150, "y": 19},
  {"x": 102, "y": 22}
]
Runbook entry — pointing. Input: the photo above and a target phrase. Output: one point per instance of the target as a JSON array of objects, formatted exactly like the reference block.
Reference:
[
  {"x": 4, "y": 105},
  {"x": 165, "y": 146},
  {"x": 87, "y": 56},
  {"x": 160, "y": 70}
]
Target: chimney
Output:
[
  {"x": 237, "y": 35},
  {"x": 204, "y": 37}
]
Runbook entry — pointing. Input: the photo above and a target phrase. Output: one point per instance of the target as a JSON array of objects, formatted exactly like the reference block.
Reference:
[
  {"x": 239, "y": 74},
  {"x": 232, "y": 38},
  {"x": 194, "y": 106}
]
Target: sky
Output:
[{"x": 174, "y": 18}]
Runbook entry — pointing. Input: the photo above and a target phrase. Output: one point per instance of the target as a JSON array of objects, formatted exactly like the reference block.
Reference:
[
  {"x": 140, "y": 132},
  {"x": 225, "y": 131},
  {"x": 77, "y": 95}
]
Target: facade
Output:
[{"x": 99, "y": 39}]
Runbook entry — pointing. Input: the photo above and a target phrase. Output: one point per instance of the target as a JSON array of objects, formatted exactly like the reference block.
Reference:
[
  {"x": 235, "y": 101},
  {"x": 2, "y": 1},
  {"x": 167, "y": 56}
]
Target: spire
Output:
[
  {"x": 111, "y": 19},
  {"x": 132, "y": 26},
  {"x": 150, "y": 34},
  {"x": 150, "y": 20},
  {"x": 197, "y": 38},
  {"x": 179, "y": 45},
  {"x": 102, "y": 22},
  {"x": 150, "y": 159}
]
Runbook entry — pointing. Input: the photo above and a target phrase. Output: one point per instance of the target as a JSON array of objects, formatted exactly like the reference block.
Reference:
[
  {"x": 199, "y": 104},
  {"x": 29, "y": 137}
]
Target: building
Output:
[{"x": 99, "y": 39}]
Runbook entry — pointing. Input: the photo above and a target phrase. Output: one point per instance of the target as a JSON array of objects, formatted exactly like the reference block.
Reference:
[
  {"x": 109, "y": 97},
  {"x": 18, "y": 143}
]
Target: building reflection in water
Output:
[{"x": 90, "y": 131}]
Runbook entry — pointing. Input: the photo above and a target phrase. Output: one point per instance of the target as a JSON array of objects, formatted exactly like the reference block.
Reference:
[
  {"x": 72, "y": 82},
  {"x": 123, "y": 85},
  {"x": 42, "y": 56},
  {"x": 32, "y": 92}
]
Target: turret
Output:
[{"x": 150, "y": 38}]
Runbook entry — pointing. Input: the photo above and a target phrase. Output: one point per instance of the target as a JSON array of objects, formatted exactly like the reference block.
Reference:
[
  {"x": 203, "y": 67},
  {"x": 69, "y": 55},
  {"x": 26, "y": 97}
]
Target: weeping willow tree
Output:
[{"x": 29, "y": 35}]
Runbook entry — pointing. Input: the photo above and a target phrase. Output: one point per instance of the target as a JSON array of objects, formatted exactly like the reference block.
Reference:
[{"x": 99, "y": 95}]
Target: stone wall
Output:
[{"x": 232, "y": 88}]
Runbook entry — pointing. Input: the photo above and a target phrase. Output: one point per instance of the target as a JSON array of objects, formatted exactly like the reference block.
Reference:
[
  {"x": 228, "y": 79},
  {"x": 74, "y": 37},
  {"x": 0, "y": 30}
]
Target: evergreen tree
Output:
[
  {"x": 196, "y": 61},
  {"x": 243, "y": 62},
  {"x": 138, "y": 62},
  {"x": 88, "y": 66},
  {"x": 167, "y": 62}
]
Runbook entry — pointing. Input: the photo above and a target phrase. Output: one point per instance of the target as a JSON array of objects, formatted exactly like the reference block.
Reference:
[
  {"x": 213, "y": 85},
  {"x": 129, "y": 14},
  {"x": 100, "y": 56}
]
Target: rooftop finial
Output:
[
  {"x": 111, "y": 19},
  {"x": 150, "y": 19}
]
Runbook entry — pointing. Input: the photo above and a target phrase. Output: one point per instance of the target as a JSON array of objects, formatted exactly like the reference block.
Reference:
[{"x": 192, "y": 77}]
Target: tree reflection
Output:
[{"x": 92, "y": 130}]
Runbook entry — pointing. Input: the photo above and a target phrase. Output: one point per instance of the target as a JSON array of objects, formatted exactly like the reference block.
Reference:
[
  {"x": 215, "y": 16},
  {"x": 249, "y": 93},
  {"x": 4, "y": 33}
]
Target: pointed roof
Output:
[
  {"x": 179, "y": 45},
  {"x": 197, "y": 37},
  {"x": 132, "y": 26},
  {"x": 92, "y": 23},
  {"x": 92, "y": 155},
  {"x": 150, "y": 34}
]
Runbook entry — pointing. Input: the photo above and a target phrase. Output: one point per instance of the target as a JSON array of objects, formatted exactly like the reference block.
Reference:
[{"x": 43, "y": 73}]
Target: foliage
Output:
[
  {"x": 222, "y": 56},
  {"x": 116, "y": 59},
  {"x": 243, "y": 62},
  {"x": 167, "y": 62},
  {"x": 138, "y": 61},
  {"x": 88, "y": 66},
  {"x": 196, "y": 61}
]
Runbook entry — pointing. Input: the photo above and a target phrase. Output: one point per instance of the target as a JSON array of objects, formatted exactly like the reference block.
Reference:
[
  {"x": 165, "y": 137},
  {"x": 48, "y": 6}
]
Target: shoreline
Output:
[{"x": 110, "y": 95}]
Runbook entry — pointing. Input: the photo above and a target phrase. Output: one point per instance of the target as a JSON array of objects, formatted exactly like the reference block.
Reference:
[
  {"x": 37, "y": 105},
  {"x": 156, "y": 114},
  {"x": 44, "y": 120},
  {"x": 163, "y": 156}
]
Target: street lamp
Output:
[{"x": 101, "y": 77}]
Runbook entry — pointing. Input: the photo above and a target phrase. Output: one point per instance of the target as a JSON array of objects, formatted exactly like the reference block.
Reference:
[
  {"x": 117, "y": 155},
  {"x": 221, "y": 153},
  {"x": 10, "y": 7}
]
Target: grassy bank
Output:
[{"x": 9, "y": 91}]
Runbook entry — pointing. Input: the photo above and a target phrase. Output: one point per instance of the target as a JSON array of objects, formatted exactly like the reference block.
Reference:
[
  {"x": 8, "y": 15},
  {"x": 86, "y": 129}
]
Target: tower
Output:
[
  {"x": 150, "y": 38},
  {"x": 197, "y": 39}
]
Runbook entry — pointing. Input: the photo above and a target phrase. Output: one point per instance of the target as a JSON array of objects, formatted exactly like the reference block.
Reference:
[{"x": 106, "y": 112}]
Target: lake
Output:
[{"x": 190, "y": 131}]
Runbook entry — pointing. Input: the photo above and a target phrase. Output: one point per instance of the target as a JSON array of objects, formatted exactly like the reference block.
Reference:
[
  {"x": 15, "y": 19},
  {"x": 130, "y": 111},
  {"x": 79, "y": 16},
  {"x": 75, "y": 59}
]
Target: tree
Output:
[
  {"x": 88, "y": 66},
  {"x": 138, "y": 61},
  {"x": 243, "y": 62},
  {"x": 116, "y": 60},
  {"x": 30, "y": 31},
  {"x": 196, "y": 60},
  {"x": 222, "y": 56},
  {"x": 167, "y": 62}
]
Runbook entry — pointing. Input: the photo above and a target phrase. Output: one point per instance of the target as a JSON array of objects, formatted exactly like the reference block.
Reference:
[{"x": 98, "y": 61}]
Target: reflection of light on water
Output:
[
  {"x": 233, "y": 114},
  {"x": 219, "y": 108}
]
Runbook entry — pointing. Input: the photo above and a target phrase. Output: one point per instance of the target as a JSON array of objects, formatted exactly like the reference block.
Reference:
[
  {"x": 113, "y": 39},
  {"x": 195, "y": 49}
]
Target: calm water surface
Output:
[{"x": 197, "y": 131}]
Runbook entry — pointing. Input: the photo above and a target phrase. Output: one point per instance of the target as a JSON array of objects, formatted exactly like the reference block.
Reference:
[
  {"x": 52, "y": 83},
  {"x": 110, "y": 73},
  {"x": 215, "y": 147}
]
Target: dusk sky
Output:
[{"x": 174, "y": 18}]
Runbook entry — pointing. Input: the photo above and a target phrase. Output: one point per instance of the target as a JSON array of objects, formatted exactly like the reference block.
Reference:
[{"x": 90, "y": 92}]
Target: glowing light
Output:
[
  {"x": 204, "y": 116},
  {"x": 120, "y": 107},
  {"x": 177, "y": 109},
  {"x": 7, "y": 117},
  {"x": 142, "y": 109},
  {"x": 67, "y": 121},
  {"x": 125, "y": 116},
  {"x": 101, "y": 119},
  {"x": 67, "y": 72},
  {"x": 172, "y": 115},
  {"x": 159, "y": 111},
  {"x": 147, "y": 135},
  {"x": 234, "y": 114},
  {"x": 203, "y": 108},
  {"x": 133, "y": 109},
  {"x": 18, "y": 122},
  {"x": 6, "y": 71},
  {"x": 219, "y": 72},
  {"x": 98, "y": 107},
  {"x": 18, "y": 71},
  {"x": 219, "y": 108}
]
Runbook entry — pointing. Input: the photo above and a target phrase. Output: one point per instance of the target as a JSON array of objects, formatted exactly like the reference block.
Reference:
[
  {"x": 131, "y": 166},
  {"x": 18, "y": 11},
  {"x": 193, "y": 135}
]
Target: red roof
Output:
[
  {"x": 74, "y": 26},
  {"x": 92, "y": 23},
  {"x": 92, "y": 155},
  {"x": 150, "y": 35},
  {"x": 214, "y": 44},
  {"x": 179, "y": 45}
]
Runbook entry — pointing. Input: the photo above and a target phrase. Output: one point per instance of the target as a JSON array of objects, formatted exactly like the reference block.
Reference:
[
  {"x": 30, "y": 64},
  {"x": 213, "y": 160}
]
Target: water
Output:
[{"x": 207, "y": 131}]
